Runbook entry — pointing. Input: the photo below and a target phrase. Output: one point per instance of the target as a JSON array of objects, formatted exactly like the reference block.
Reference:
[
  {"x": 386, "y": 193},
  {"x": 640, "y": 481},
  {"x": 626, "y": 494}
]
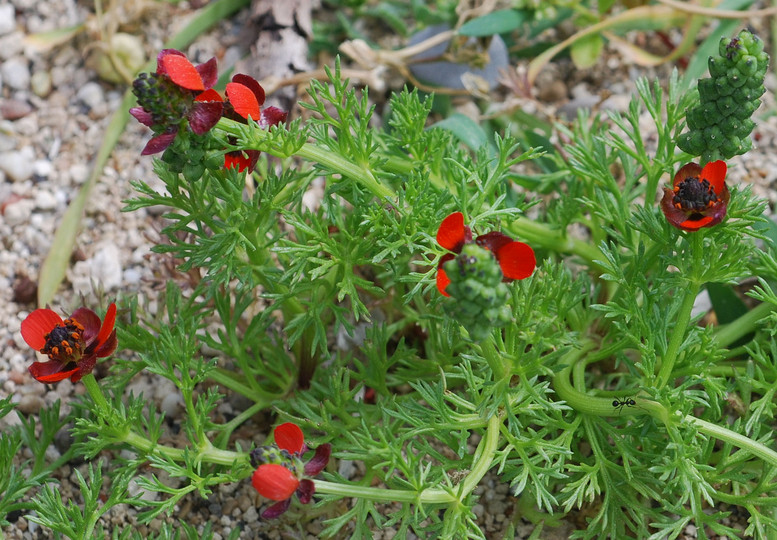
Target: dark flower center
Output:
[
  {"x": 65, "y": 343},
  {"x": 691, "y": 195}
]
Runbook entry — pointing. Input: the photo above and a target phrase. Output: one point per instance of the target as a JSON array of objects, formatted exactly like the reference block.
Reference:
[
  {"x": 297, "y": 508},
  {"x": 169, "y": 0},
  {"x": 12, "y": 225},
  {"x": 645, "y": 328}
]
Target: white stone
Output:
[
  {"x": 18, "y": 212},
  {"x": 42, "y": 168},
  {"x": 92, "y": 95},
  {"x": 7, "y": 19},
  {"x": 79, "y": 173},
  {"x": 40, "y": 83},
  {"x": 105, "y": 265},
  {"x": 45, "y": 200},
  {"x": 16, "y": 73},
  {"x": 132, "y": 276},
  {"x": 18, "y": 165}
]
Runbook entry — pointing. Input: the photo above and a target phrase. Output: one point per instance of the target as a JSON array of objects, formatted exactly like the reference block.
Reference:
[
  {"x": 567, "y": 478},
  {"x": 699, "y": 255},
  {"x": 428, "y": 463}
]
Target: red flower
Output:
[
  {"x": 516, "y": 259},
  {"x": 164, "y": 106},
  {"x": 278, "y": 481},
  {"x": 73, "y": 345},
  {"x": 246, "y": 97},
  {"x": 698, "y": 198}
]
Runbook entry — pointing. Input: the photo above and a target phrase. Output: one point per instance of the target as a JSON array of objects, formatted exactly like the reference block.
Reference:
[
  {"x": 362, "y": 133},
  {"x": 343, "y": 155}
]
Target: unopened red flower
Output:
[
  {"x": 698, "y": 198},
  {"x": 282, "y": 474},
  {"x": 73, "y": 345},
  {"x": 178, "y": 93},
  {"x": 245, "y": 99},
  {"x": 516, "y": 259}
]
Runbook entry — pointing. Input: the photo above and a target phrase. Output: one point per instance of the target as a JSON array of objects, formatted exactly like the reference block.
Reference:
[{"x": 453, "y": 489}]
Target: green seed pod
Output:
[
  {"x": 726, "y": 105},
  {"x": 478, "y": 296},
  {"x": 748, "y": 65},
  {"x": 707, "y": 90},
  {"x": 720, "y": 126},
  {"x": 717, "y": 67},
  {"x": 193, "y": 171}
]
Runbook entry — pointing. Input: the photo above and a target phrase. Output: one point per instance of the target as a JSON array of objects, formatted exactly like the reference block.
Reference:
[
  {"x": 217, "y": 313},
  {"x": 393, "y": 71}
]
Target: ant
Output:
[{"x": 619, "y": 403}]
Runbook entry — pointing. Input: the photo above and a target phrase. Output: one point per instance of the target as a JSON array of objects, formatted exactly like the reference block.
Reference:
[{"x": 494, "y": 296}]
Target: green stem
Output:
[
  {"x": 684, "y": 315},
  {"x": 96, "y": 393},
  {"x": 731, "y": 332},
  {"x": 493, "y": 358},
  {"x": 483, "y": 461}
]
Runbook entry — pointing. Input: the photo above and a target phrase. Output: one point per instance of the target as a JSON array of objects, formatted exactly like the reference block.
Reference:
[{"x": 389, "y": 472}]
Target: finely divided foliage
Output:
[{"x": 594, "y": 392}]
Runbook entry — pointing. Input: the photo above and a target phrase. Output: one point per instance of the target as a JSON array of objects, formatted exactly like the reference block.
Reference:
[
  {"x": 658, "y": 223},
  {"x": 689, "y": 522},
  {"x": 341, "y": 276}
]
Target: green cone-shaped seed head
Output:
[
  {"x": 478, "y": 298},
  {"x": 720, "y": 126}
]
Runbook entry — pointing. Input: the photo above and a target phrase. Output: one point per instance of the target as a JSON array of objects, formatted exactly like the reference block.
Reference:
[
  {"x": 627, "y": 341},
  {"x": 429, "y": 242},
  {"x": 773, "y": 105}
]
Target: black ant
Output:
[{"x": 619, "y": 403}]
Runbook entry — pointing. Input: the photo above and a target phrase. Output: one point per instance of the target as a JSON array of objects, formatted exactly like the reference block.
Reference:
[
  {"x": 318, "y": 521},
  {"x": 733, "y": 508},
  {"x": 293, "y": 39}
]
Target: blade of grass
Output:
[{"x": 52, "y": 271}]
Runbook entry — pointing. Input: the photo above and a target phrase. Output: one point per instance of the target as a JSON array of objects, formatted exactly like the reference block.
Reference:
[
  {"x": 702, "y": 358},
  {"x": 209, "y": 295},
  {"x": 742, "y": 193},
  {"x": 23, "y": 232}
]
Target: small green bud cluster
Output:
[
  {"x": 479, "y": 296},
  {"x": 191, "y": 154},
  {"x": 167, "y": 102},
  {"x": 720, "y": 124}
]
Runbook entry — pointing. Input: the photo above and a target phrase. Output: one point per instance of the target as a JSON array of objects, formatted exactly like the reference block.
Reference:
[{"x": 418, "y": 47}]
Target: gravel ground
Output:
[{"x": 54, "y": 111}]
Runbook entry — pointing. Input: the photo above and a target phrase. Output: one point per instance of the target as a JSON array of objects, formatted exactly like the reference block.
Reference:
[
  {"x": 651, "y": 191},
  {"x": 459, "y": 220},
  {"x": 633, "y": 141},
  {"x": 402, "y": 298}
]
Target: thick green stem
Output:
[{"x": 733, "y": 331}]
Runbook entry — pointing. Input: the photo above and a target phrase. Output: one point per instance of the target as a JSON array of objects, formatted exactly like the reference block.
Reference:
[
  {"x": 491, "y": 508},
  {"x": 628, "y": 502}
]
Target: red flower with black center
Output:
[
  {"x": 698, "y": 198},
  {"x": 178, "y": 91},
  {"x": 516, "y": 259},
  {"x": 246, "y": 97},
  {"x": 73, "y": 345},
  {"x": 281, "y": 479}
]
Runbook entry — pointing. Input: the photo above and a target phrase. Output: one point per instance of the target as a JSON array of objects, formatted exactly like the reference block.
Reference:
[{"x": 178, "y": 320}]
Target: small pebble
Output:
[
  {"x": 18, "y": 212},
  {"x": 18, "y": 165},
  {"x": 91, "y": 94},
  {"x": 13, "y": 109},
  {"x": 44, "y": 200},
  {"x": 171, "y": 405},
  {"x": 16, "y": 73},
  {"x": 79, "y": 173},
  {"x": 40, "y": 83},
  {"x": 105, "y": 265},
  {"x": 30, "y": 404},
  {"x": 7, "y": 19},
  {"x": 42, "y": 168}
]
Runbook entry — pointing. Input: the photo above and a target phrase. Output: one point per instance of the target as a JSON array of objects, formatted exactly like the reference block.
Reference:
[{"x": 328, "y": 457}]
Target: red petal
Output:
[
  {"x": 181, "y": 71},
  {"x": 272, "y": 116},
  {"x": 319, "y": 460},
  {"x": 516, "y": 260},
  {"x": 252, "y": 84},
  {"x": 161, "y": 56},
  {"x": 274, "y": 482},
  {"x": 204, "y": 115},
  {"x": 442, "y": 281},
  {"x": 208, "y": 95},
  {"x": 158, "y": 143},
  {"x": 452, "y": 233},
  {"x": 243, "y": 101},
  {"x": 442, "y": 278},
  {"x": 715, "y": 174},
  {"x": 91, "y": 323},
  {"x": 85, "y": 367},
  {"x": 691, "y": 225},
  {"x": 108, "y": 323},
  {"x": 142, "y": 116},
  {"x": 37, "y": 324},
  {"x": 289, "y": 437},
  {"x": 245, "y": 159},
  {"x": 209, "y": 72},
  {"x": 276, "y": 510},
  {"x": 493, "y": 241},
  {"x": 49, "y": 372},
  {"x": 107, "y": 348},
  {"x": 306, "y": 490}
]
